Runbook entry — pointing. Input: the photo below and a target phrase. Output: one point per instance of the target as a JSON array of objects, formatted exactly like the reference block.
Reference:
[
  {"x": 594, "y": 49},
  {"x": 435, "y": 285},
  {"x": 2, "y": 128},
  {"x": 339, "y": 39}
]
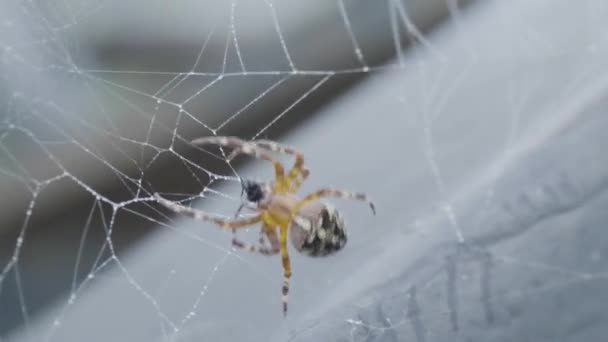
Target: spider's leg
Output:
[
  {"x": 262, "y": 247},
  {"x": 244, "y": 147},
  {"x": 271, "y": 234},
  {"x": 328, "y": 192},
  {"x": 286, "y": 265},
  {"x": 299, "y": 179},
  {"x": 298, "y": 173},
  {"x": 253, "y": 248},
  {"x": 203, "y": 216}
]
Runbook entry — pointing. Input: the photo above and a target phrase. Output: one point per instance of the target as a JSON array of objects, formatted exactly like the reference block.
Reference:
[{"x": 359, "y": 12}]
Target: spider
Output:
[{"x": 315, "y": 228}]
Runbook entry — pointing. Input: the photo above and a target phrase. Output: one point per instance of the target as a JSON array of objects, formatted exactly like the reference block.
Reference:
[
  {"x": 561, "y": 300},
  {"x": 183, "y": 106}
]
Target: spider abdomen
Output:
[{"x": 318, "y": 230}]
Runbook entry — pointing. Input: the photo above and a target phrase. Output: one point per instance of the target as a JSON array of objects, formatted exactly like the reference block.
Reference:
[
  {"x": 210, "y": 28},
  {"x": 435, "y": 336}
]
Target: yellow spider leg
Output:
[
  {"x": 271, "y": 235},
  {"x": 298, "y": 172},
  {"x": 269, "y": 222},
  {"x": 286, "y": 265},
  {"x": 299, "y": 179},
  {"x": 333, "y": 193},
  {"x": 262, "y": 247},
  {"x": 203, "y": 216}
]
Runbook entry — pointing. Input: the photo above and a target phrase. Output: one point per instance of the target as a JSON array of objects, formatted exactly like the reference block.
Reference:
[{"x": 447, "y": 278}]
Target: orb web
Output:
[{"x": 99, "y": 99}]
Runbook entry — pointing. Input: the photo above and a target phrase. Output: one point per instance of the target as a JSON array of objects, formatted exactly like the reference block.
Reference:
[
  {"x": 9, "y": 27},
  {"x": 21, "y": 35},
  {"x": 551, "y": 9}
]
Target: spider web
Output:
[{"x": 493, "y": 225}]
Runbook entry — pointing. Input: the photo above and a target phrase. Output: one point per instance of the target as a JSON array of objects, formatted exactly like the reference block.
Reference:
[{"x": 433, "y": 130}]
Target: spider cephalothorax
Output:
[{"x": 314, "y": 227}]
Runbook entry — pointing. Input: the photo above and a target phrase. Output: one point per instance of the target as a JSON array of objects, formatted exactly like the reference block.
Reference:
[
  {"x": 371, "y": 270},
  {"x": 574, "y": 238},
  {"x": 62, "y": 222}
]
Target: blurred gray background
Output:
[{"x": 477, "y": 127}]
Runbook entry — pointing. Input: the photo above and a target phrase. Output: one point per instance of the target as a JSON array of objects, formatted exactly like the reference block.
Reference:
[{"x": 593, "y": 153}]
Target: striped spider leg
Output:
[
  {"x": 298, "y": 173},
  {"x": 329, "y": 192},
  {"x": 246, "y": 147},
  {"x": 267, "y": 234},
  {"x": 262, "y": 248},
  {"x": 203, "y": 216},
  {"x": 317, "y": 229}
]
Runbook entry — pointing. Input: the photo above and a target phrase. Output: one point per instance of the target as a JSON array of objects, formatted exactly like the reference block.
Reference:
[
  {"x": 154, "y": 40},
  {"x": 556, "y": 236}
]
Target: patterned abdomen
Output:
[{"x": 318, "y": 230}]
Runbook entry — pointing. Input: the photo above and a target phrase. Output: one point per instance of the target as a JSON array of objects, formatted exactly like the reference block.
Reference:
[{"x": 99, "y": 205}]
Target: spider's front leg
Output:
[
  {"x": 298, "y": 173},
  {"x": 241, "y": 146},
  {"x": 299, "y": 179},
  {"x": 295, "y": 177},
  {"x": 203, "y": 216}
]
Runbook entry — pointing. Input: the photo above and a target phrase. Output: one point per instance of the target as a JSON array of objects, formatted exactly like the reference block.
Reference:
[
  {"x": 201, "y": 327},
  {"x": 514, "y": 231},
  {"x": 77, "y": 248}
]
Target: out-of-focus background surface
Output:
[{"x": 478, "y": 128}]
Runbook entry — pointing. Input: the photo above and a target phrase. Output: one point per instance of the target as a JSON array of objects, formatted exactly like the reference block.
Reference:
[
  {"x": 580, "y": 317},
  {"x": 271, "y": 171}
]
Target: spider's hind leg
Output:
[
  {"x": 286, "y": 266},
  {"x": 262, "y": 247}
]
